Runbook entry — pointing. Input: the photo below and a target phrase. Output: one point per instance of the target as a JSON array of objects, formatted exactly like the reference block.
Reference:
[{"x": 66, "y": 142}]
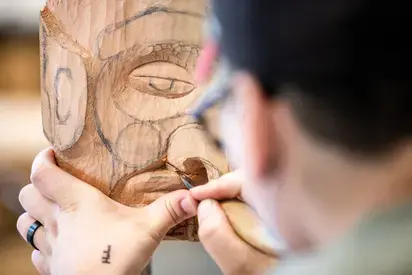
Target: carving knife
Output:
[{"x": 243, "y": 220}]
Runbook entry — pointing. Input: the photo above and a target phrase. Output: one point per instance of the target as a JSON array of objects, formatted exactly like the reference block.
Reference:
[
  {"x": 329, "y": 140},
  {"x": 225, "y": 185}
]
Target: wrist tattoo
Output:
[{"x": 106, "y": 255}]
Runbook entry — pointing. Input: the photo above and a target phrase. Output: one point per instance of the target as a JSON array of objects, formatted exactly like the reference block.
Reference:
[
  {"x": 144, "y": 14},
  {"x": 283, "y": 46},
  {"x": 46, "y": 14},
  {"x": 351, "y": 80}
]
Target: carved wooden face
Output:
[{"x": 117, "y": 84}]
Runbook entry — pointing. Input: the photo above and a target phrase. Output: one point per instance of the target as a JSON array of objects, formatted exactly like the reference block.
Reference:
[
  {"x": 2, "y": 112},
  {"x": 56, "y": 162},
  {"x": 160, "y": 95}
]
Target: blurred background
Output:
[{"x": 21, "y": 134}]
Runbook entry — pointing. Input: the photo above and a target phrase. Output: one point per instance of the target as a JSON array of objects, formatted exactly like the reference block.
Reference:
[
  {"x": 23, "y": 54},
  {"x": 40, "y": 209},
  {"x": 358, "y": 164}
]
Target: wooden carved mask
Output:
[{"x": 117, "y": 85}]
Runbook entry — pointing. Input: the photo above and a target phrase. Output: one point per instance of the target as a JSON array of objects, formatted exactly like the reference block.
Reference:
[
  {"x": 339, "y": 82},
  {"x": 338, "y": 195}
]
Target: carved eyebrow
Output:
[
  {"x": 151, "y": 11},
  {"x": 141, "y": 14},
  {"x": 184, "y": 53},
  {"x": 155, "y": 9},
  {"x": 146, "y": 12},
  {"x": 124, "y": 23},
  {"x": 174, "y": 56}
]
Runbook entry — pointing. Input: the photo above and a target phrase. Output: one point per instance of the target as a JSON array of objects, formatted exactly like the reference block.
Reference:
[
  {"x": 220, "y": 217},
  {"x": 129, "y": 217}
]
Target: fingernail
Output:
[
  {"x": 188, "y": 206},
  {"x": 205, "y": 209}
]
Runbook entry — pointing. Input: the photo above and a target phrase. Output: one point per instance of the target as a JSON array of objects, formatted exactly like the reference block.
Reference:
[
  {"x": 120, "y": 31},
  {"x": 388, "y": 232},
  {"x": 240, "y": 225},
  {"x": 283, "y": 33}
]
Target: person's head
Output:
[{"x": 318, "y": 113}]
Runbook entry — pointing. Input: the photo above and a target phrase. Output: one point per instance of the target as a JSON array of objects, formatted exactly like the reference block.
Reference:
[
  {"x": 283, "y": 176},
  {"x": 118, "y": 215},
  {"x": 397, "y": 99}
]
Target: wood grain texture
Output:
[
  {"x": 117, "y": 84},
  {"x": 247, "y": 226}
]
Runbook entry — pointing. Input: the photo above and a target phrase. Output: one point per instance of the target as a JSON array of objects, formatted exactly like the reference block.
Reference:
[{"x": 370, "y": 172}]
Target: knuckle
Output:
[
  {"x": 69, "y": 207},
  {"x": 208, "y": 229},
  {"x": 22, "y": 194},
  {"x": 34, "y": 257},
  {"x": 37, "y": 173},
  {"x": 39, "y": 262},
  {"x": 172, "y": 212},
  {"x": 40, "y": 167},
  {"x": 40, "y": 173},
  {"x": 221, "y": 187},
  {"x": 25, "y": 193},
  {"x": 51, "y": 227},
  {"x": 21, "y": 223}
]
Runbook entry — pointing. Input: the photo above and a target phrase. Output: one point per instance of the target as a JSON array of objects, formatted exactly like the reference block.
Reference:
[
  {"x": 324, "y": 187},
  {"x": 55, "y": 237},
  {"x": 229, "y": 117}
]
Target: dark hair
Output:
[{"x": 348, "y": 59}]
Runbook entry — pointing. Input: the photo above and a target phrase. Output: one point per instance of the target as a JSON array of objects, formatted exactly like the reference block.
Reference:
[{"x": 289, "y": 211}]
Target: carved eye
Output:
[
  {"x": 162, "y": 79},
  {"x": 168, "y": 85}
]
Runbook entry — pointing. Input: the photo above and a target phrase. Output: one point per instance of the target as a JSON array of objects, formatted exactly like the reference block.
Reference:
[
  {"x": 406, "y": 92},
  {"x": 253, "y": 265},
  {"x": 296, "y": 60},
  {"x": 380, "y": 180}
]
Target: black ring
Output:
[{"x": 30, "y": 234}]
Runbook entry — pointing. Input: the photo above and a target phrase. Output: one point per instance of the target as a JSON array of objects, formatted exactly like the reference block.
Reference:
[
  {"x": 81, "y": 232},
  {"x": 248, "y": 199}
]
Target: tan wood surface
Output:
[
  {"x": 117, "y": 84},
  {"x": 246, "y": 224}
]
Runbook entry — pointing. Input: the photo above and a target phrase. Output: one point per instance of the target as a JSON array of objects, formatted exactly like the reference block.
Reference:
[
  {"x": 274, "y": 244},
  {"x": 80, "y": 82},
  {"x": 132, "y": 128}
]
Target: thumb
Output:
[
  {"x": 230, "y": 253},
  {"x": 55, "y": 183},
  {"x": 170, "y": 210}
]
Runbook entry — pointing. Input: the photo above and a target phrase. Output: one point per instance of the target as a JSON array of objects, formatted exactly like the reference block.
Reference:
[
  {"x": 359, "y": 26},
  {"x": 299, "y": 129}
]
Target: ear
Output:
[{"x": 257, "y": 126}]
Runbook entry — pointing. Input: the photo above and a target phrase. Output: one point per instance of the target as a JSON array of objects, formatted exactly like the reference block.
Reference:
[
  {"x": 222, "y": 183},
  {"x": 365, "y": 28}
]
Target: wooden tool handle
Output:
[{"x": 246, "y": 224}]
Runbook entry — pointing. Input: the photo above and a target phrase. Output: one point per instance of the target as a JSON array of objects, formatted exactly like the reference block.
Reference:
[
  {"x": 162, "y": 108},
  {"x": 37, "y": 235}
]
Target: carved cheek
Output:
[
  {"x": 64, "y": 95},
  {"x": 188, "y": 142},
  {"x": 138, "y": 145}
]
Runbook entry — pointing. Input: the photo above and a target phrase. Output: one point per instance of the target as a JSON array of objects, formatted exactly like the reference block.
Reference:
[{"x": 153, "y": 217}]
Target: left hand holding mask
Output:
[{"x": 84, "y": 232}]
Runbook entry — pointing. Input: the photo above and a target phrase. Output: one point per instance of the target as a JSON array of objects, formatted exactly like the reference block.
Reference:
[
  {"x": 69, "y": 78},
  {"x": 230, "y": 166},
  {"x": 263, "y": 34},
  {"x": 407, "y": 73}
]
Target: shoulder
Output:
[{"x": 379, "y": 246}]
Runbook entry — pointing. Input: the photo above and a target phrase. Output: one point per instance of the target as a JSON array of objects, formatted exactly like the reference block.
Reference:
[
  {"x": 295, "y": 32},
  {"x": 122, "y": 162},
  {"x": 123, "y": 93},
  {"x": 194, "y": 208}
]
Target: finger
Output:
[
  {"x": 40, "y": 262},
  {"x": 54, "y": 183},
  {"x": 23, "y": 224},
  {"x": 226, "y": 187},
  {"x": 38, "y": 207},
  {"x": 220, "y": 241},
  {"x": 170, "y": 210}
]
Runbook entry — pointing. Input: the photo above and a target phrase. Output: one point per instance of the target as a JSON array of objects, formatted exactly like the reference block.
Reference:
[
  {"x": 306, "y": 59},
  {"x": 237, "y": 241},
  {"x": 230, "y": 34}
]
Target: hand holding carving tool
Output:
[{"x": 243, "y": 220}]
